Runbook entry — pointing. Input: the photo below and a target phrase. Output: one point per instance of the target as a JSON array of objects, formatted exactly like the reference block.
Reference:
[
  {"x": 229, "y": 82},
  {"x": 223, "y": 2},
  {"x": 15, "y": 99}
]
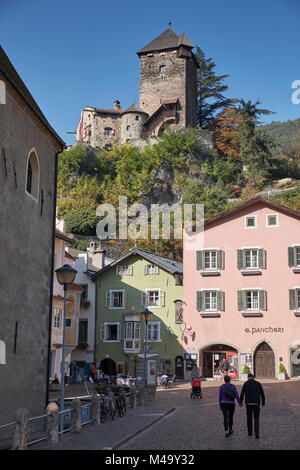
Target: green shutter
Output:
[
  {"x": 261, "y": 258},
  {"x": 292, "y": 295},
  {"x": 240, "y": 259},
  {"x": 241, "y": 300},
  {"x": 262, "y": 299},
  {"x": 162, "y": 298},
  {"x": 199, "y": 301},
  {"x": 220, "y": 259},
  {"x": 107, "y": 299},
  {"x": 220, "y": 300},
  {"x": 291, "y": 256},
  {"x": 199, "y": 262}
]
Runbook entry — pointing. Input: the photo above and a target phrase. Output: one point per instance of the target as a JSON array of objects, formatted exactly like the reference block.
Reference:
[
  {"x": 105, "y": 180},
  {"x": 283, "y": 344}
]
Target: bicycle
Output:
[
  {"x": 120, "y": 403},
  {"x": 107, "y": 407}
]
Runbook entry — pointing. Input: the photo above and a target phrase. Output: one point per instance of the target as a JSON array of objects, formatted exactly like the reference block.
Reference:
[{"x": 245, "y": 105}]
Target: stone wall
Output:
[
  {"x": 156, "y": 85},
  {"x": 26, "y": 234}
]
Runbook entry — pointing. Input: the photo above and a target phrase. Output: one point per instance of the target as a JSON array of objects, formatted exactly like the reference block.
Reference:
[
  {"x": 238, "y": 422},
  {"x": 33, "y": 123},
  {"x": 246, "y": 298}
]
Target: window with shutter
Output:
[
  {"x": 209, "y": 261},
  {"x": 251, "y": 260},
  {"x": 210, "y": 302},
  {"x": 251, "y": 302}
]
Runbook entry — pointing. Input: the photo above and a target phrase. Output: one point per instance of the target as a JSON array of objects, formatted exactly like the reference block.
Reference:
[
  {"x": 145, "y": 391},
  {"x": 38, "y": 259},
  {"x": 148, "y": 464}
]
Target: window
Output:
[
  {"x": 132, "y": 335},
  {"x": 68, "y": 322},
  {"x": 150, "y": 269},
  {"x": 209, "y": 261},
  {"x": 33, "y": 175},
  {"x": 272, "y": 220},
  {"x": 83, "y": 331},
  {"x": 251, "y": 260},
  {"x": 153, "y": 298},
  {"x": 124, "y": 270},
  {"x": 84, "y": 294},
  {"x": 109, "y": 131},
  {"x": 114, "y": 116},
  {"x": 128, "y": 128},
  {"x": 107, "y": 146},
  {"x": 162, "y": 69},
  {"x": 111, "y": 332},
  {"x": 137, "y": 118},
  {"x": 210, "y": 302},
  {"x": 103, "y": 115},
  {"x": 57, "y": 317},
  {"x": 115, "y": 299},
  {"x": 294, "y": 256},
  {"x": 252, "y": 301},
  {"x": 153, "y": 331},
  {"x": 250, "y": 221}
]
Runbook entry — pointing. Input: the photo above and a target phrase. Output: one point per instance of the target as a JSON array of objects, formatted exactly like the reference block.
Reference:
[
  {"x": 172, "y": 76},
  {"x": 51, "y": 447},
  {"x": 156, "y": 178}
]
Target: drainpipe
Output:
[{"x": 52, "y": 270}]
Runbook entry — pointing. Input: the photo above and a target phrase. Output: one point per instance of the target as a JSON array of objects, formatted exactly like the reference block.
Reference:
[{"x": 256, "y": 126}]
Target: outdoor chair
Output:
[{"x": 172, "y": 381}]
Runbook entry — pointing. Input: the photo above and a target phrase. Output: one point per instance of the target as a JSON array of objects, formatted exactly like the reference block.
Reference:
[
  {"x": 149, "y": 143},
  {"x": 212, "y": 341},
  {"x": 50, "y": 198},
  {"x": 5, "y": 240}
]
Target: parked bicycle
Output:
[
  {"x": 107, "y": 407},
  {"x": 120, "y": 402}
]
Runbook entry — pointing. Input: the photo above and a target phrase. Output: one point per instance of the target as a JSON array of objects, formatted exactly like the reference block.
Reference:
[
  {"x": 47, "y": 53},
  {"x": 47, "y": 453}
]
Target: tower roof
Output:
[
  {"x": 166, "y": 40},
  {"x": 134, "y": 108}
]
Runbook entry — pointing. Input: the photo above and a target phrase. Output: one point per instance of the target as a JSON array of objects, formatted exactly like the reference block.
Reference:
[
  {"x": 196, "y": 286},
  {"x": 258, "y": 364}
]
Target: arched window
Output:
[{"x": 33, "y": 175}]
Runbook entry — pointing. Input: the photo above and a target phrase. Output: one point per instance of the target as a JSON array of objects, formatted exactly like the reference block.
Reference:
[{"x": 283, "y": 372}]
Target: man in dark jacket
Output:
[{"x": 253, "y": 392}]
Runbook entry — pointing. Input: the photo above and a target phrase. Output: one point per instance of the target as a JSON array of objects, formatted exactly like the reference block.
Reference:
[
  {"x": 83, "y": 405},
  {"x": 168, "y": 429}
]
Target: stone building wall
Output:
[
  {"x": 26, "y": 232},
  {"x": 156, "y": 86},
  {"x": 100, "y": 123},
  {"x": 132, "y": 126}
]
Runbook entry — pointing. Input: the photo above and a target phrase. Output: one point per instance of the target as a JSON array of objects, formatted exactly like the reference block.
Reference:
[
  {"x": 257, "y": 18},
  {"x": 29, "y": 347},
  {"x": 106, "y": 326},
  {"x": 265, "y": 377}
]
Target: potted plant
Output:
[
  {"x": 245, "y": 372},
  {"x": 281, "y": 372}
]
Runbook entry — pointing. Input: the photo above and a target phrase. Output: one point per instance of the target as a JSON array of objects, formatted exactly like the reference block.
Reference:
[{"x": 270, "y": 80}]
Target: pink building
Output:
[{"x": 242, "y": 290}]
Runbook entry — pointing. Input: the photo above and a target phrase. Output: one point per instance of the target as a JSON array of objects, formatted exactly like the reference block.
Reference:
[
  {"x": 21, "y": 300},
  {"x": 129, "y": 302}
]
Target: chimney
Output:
[
  {"x": 117, "y": 104},
  {"x": 98, "y": 257}
]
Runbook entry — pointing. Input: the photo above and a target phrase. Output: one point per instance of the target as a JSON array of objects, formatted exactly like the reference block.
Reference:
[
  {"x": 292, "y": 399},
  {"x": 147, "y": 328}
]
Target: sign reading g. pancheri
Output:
[{"x": 269, "y": 329}]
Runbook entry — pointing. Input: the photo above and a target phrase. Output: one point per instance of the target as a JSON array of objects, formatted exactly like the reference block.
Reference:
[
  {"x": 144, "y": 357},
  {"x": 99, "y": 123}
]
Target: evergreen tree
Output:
[{"x": 210, "y": 89}]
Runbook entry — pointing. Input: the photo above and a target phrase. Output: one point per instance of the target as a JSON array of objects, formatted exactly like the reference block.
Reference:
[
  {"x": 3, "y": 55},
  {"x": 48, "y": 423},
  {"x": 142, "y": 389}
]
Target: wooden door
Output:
[
  {"x": 208, "y": 364},
  {"x": 264, "y": 362},
  {"x": 179, "y": 367}
]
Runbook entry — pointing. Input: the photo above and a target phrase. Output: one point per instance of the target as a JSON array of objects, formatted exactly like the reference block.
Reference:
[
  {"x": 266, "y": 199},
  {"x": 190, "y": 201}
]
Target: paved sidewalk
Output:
[{"x": 111, "y": 434}]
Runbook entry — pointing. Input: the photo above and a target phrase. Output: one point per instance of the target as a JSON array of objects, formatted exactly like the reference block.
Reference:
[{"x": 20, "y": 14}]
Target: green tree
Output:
[{"x": 210, "y": 89}]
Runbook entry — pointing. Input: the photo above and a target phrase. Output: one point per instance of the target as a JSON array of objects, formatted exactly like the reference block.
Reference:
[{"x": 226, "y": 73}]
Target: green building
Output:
[{"x": 124, "y": 288}]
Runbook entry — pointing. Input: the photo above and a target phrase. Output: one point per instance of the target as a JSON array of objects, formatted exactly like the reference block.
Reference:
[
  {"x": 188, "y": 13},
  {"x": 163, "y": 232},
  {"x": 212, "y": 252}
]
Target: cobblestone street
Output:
[
  {"x": 174, "y": 421},
  {"x": 198, "y": 424}
]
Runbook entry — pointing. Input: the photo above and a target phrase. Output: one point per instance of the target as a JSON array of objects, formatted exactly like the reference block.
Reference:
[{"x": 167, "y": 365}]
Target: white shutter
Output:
[
  {"x": 162, "y": 298},
  {"x": 156, "y": 269},
  {"x": 124, "y": 298},
  {"x": 102, "y": 332},
  {"x": 143, "y": 299},
  {"x": 130, "y": 269},
  {"x": 107, "y": 299},
  {"x": 145, "y": 269},
  {"x": 118, "y": 332}
]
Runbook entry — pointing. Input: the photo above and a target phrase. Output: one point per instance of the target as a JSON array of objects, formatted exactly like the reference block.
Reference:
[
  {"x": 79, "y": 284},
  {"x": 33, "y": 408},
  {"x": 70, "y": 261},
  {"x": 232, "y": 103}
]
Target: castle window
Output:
[
  {"x": 107, "y": 146},
  {"x": 109, "y": 131},
  {"x": 128, "y": 128},
  {"x": 137, "y": 117},
  {"x": 33, "y": 175},
  {"x": 162, "y": 68},
  {"x": 114, "y": 116},
  {"x": 104, "y": 115}
]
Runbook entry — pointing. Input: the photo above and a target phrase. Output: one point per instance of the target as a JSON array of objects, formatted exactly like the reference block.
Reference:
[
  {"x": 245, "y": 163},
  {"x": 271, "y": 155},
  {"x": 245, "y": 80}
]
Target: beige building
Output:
[
  {"x": 28, "y": 160},
  {"x": 168, "y": 97}
]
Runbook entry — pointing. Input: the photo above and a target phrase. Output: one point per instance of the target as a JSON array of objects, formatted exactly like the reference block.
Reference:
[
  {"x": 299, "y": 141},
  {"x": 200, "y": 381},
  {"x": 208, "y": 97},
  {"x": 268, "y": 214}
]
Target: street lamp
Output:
[
  {"x": 146, "y": 315},
  {"x": 65, "y": 276}
]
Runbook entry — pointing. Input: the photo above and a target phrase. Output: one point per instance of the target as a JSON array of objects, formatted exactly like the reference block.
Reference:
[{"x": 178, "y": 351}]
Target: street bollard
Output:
[
  {"x": 21, "y": 431},
  {"x": 76, "y": 415},
  {"x": 52, "y": 421},
  {"x": 96, "y": 408}
]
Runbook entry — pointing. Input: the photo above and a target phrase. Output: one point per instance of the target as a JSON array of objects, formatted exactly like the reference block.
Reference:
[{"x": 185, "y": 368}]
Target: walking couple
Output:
[{"x": 254, "y": 395}]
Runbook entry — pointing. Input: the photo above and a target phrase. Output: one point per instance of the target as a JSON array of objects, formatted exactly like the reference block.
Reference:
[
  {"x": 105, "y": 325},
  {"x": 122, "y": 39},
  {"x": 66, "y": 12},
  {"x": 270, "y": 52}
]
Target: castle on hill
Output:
[{"x": 168, "y": 97}]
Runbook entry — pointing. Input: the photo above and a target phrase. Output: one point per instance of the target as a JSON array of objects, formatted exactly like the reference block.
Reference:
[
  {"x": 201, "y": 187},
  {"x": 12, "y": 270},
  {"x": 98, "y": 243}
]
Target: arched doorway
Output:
[
  {"x": 108, "y": 366},
  {"x": 264, "y": 361},
  {"x": 179, "y": 367},
  {"x": 211, "y": 358}
]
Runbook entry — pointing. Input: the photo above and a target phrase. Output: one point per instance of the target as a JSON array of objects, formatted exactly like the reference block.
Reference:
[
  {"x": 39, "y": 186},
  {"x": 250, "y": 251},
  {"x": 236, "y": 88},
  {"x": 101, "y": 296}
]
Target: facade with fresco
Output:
[{"x": 242, "y": 290}]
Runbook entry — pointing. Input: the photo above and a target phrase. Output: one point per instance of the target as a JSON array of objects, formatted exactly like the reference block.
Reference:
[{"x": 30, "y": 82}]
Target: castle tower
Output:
[
  {"x": 133, "y": 120},
  {"x": 168, "y": 82}
]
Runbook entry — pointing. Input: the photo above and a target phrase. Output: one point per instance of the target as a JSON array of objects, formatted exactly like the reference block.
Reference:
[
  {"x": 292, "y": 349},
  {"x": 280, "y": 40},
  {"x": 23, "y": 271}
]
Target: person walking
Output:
[
  {"x": 253, "y": 392},
  {"x": 195, "y": 374},
  {"x": 227, "y": 396}
]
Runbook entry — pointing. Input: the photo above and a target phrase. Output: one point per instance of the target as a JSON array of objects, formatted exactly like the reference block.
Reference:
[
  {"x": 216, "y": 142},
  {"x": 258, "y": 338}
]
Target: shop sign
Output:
[
  {"x": 246, "y": 358},
  {"x": 269, "y": 329}
]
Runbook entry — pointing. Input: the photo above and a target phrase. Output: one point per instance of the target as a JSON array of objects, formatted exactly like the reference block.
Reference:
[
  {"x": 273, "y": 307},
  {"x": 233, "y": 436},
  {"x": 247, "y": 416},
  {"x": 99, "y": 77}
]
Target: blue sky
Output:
[{"x": 72, "y": 53}]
